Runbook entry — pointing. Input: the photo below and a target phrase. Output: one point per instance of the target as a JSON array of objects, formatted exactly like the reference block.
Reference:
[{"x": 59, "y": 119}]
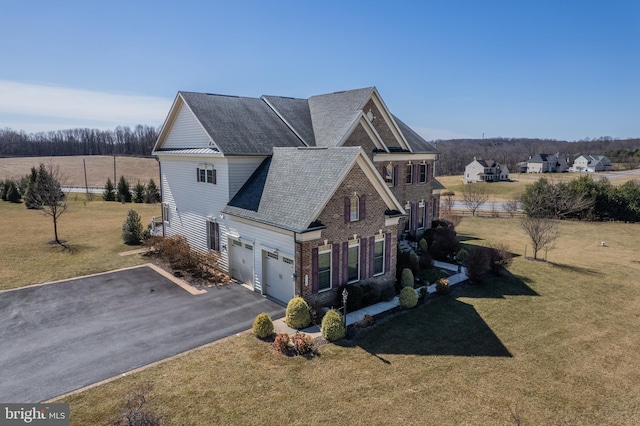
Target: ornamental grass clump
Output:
[
  {"x": 281, "y": 343},
  {"x": 263, "y": 326},
  {"x": 333, "y": 325},
  {"x": 297, "y": 315},
  {"x": 408, "y": 298}
]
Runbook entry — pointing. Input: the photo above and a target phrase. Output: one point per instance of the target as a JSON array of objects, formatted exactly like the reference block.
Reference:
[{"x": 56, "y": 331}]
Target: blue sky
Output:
[{"x": 551, "y": 69}]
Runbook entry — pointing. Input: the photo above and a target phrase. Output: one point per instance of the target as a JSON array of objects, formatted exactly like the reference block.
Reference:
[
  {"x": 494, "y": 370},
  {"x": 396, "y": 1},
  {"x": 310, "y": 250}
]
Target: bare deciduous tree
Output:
[
  {"x": 543, "y": 232},
  {"x": 474, "y": 196},
  {"x": 48, "y": 195},
  {"x": 511, "y": 207}
]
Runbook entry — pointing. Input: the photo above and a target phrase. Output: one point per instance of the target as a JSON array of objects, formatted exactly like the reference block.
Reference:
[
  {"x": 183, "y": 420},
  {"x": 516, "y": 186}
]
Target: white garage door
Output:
[
  {"x": 278, "y": 276},
  {"x": 241, "y": 261}
]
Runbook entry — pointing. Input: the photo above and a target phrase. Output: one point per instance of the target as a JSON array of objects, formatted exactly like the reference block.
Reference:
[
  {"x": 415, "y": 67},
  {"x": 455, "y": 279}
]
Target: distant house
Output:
[
  {"x": 485, "y": 171},
  {"x": 548, "y": 163},
  {"x": 591, "y": 163}
]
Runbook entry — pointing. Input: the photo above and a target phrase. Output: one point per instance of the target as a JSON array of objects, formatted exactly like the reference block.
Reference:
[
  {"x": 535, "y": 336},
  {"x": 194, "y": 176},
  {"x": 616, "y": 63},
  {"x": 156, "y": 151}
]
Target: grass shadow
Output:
[
  {"x": 463, "y": 238},
  {"x": 444, "y": 326},
  {"x": 578, "y": 269},
  {"x": 497, "y": 287}
]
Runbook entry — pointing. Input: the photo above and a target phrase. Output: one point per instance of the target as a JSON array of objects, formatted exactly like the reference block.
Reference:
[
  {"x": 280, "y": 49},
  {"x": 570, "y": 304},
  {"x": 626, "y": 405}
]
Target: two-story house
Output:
[
  {"x": 548, "y": 163},
  {"x": 591, "y": 163},
  {"x": 485, "y": 171},
  {"x": 297, "y": 196}
]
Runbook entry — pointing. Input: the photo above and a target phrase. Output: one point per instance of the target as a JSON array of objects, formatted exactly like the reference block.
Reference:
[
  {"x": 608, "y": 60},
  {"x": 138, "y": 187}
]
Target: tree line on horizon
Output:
[
  {"x": 455, "y": 154},
  {"x": 122, "y": 140}
]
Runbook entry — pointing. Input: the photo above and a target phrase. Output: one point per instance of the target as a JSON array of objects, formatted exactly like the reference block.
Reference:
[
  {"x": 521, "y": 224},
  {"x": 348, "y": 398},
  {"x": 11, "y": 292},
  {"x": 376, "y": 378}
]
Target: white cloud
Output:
[
  {"x": 432, "y": 134},
  {"x": 37, "y": 107}
]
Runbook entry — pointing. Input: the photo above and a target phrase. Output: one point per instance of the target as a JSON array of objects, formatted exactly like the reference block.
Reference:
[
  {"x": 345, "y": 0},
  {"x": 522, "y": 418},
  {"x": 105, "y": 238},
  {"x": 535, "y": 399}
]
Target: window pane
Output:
[
  {"x": 209, "y": 176},
  {"x": 355, "y": 208},
  {"x": 409, "y": 174},
  {"x": 421, "y": 217},
  {"x": 423, "y": 173},
  {"x": 378, "y": 258},
  {"x": 354, "y": 257}
]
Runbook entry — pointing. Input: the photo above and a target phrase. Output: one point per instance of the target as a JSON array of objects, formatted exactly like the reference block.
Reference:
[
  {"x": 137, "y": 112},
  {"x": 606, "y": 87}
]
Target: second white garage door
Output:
[{"x": 278, "y": 276}]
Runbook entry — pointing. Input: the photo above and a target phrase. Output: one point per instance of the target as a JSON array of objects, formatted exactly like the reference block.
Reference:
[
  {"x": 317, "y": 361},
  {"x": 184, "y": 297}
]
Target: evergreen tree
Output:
[
  {"x": 138, "y": 193},
  {"x": 152, "y": 194},
  {"x": 109, "y": 193},
  {"x": 132, "y": 230},
  {"x": 13, "y": 193},
  {"x": 30, "y": 198},
  {"x": 124, "y": 193}
]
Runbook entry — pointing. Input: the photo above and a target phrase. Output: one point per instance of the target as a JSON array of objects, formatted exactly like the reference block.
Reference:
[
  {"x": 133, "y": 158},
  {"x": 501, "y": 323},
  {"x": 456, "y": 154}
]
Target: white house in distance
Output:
[
  {"x": 548, "y": 163},
  {"x": 485, "y": 171},
  {"x": 295, "y": 196},
  {"x": 591, "y": 163}
]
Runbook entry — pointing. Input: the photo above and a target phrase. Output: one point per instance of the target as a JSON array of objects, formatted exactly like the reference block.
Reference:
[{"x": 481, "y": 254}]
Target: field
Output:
[
  {"x": 502, "y": 191},
  {"x": 551, "y": 342},
  {"x": 93, "y": 235},
  {"x": 99, "y": 168},
  {"x": 547, "y": 343}
]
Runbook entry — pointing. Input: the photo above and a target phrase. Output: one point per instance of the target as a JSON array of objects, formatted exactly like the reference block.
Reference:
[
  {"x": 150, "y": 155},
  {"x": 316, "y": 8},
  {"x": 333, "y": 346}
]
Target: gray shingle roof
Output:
[
  {"x": 296, "y": 113},
  {"x": 415, "y": 141},
  {"x": 240, "y": 126},
  {"x": 334, "y": 113},
  {"x": 287, "y": 191}
]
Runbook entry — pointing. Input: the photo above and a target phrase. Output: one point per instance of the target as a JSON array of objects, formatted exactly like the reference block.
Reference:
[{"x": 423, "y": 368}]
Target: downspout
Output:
[
  {"x": 164, "y": 234},
  {"x": 298, "y": 264}
]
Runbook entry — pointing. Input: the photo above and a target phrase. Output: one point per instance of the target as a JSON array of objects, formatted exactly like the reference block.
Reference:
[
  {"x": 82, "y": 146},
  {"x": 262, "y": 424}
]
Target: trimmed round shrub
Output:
[
  {"x": 462, "y": 255},
  {"x": 263, "y": 326},
  {"x": 407, "y": 279},
  {"x": 408, "y": 298},
  {"x": 297, "y": 314},
  {"x": 333, "y": 325},
  {"x": 424, "y": 247},
  {"x": 442, "y": 286},
  {"x": 414, "y": 262}
]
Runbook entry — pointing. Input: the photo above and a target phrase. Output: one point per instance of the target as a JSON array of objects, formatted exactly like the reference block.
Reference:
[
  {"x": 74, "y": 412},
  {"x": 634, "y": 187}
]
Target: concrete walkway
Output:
[{"x": 353, "y": 317}]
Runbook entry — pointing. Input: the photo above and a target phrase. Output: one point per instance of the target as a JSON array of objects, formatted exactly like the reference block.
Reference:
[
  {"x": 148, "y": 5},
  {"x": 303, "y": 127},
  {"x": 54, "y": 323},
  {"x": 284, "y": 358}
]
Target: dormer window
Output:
[{"x": 354, "y": 207}]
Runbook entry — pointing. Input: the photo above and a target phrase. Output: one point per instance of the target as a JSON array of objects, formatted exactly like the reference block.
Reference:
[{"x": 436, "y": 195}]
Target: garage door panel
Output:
[
  {"x": 241, "y": 261},
  {"x": 278, "y": 276}
]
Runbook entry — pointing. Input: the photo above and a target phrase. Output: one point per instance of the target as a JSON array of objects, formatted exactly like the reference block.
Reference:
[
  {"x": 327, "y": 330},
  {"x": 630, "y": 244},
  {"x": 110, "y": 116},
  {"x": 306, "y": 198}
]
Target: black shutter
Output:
[
  {"x": 363, "y": 207},
  {"x": 347, "y": 210},
  {"x": 198, "y": 175},
  {"x": 345, "y": 262},
  {"x": 372, "y": 255},
  {"x": 363, "y": 258},
  {"x": 216, "y": 231},
  {"x": 214, "y": 176},
  {"x": 335, "y": 265},
  {"x": 314, "y": 270},
  {"x": 387, "y": 252}
]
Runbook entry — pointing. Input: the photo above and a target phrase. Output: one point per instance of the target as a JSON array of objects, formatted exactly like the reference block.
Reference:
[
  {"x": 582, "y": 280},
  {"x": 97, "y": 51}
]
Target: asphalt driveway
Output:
[{"x": 60, "y": 337}]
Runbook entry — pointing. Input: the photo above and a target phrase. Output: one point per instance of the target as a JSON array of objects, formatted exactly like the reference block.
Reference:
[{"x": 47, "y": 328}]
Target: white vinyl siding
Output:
[
  {"x": 241, "y": 169},
  {"x": 186, "y": 132},
  {"x": 191, "y": 204}
]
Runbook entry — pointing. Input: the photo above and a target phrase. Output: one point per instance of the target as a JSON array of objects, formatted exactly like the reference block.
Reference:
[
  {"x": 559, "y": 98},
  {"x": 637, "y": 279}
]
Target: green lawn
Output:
[
  {"x": 93, "y": 235},
  {"x": 558, "y": 340}
]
